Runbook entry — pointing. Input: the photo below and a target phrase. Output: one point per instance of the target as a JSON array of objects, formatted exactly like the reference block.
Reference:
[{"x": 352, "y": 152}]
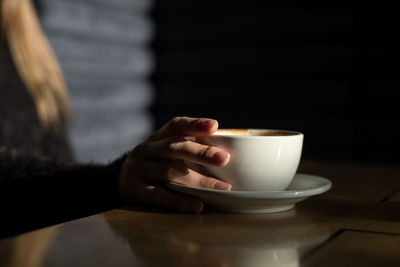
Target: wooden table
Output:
[{"x": 356, "y": 223}]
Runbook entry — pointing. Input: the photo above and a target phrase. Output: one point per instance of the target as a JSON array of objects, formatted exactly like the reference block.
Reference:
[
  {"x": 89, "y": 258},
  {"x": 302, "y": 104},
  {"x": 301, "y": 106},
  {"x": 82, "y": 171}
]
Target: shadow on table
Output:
[{"x": 353, "y": 209}]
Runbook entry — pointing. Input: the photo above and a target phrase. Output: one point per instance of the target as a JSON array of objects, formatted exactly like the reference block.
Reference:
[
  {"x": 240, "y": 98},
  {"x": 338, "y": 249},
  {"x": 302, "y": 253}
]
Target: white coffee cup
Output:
[{"x": 261, "y": 159}]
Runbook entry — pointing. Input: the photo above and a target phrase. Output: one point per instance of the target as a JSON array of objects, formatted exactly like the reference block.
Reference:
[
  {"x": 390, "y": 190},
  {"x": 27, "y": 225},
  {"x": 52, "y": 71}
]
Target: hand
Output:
[{"x": 161, "y": 158}]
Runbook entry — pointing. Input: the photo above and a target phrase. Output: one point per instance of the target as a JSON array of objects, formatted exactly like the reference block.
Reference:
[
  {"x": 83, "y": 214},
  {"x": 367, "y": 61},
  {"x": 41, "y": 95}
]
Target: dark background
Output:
[{"x": 331, "y": 73}]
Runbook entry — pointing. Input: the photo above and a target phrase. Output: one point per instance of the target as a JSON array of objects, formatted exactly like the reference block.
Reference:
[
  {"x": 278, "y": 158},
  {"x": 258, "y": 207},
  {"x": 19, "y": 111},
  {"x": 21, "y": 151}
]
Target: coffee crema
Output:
[{"x": 254, "y": 132}]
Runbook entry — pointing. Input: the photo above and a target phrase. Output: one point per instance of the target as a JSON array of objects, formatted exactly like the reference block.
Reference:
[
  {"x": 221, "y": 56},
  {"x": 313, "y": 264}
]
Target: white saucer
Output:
[{"x": 302, "y": 187}]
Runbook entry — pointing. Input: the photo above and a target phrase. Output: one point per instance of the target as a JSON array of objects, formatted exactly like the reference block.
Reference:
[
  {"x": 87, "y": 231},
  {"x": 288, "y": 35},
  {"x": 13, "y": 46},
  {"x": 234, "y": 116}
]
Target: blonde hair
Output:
[{"x": 36, "y": 62}]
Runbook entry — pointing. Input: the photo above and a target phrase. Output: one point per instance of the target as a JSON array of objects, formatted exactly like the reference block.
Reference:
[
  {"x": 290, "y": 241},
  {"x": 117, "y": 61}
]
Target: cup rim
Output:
[{"x": 220, "y": 132}]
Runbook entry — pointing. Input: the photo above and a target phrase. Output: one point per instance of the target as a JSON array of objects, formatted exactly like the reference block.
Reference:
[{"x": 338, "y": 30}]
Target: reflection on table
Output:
[{"x": 356, "y": 223}]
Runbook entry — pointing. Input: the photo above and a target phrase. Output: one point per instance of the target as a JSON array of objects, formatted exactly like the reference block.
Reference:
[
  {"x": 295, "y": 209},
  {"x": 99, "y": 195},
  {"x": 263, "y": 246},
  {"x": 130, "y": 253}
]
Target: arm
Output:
[
  {"x": 34, "y": 189},
  {"x": 37, "y": 191}
]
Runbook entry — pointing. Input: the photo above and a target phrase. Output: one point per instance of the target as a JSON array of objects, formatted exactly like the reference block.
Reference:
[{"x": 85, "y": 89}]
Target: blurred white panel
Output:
[
  {"x": 101, "y": 137},
  {"x": 128, "y": 6},
  {"x": 82, "y": 58},
  {"x": 103, "y": 48},
  {"x": 110, "y": 95},
  {"x": 83, "y": 19}
]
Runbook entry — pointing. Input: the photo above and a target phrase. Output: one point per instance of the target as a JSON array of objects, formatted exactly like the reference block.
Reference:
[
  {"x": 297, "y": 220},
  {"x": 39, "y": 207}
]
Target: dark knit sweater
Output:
[{"x": 39, "y": 183}]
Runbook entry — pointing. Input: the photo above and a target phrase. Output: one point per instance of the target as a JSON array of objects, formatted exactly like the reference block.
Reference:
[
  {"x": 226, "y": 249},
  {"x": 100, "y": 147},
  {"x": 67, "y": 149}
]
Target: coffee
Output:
[
  {"x": 273, "y": 133},
  {"x": 255, "y": 132}
]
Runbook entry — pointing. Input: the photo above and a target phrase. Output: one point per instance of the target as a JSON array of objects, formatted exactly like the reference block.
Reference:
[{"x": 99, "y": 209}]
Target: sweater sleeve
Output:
[{"x": 37, "y": 191}]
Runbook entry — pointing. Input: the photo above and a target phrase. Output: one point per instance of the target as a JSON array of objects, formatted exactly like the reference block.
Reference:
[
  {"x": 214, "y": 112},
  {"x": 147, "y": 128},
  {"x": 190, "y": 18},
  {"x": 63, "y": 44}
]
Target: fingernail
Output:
[
  {"x": 222, "y": 186},
  {"x": 221, "y": 157},
  {"x": 208, "y": 124}
]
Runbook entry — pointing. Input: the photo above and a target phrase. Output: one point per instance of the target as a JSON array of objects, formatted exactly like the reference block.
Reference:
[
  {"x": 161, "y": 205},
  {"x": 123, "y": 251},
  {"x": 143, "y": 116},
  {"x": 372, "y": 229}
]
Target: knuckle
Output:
[
  {"x": 172, "y": 147},
  {"x": 173, "y": 170},
  {"x": 206, "y": 152},
  {"x": 206, "y": 182},
  {"x": 172, "y": 126},
  {"x": 177, "y": 144},
  {"x": 179, "y": 121},
  {"x": 185, "y": 146},
  {"x": 175, "y": 120}
]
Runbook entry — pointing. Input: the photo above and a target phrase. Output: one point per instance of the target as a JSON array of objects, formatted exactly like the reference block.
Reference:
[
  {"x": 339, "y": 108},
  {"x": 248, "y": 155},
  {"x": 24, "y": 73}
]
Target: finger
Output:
[
  {"x": 161, "y": 171},
  {"x": 161, "y": 197},
  {"x": 176, "y": 171},
  {"x": 183, "y": 149},
  {"x": 185, "y": 126},
  {"x": 196, "y": 179}
]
